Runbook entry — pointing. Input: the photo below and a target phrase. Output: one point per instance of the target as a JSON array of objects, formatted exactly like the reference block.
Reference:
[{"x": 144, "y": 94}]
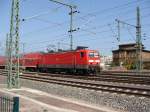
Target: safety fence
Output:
[{"x": 9, "y": 104}]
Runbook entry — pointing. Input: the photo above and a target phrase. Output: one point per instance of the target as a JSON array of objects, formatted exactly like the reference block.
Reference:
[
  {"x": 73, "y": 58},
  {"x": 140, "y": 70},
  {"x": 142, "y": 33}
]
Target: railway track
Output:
[
  {"x": 66, "y": 80},
  {"x": 109, "y": 77},
  {"x": 123, "y": 78},
  {"x": 127, "y": 71}
]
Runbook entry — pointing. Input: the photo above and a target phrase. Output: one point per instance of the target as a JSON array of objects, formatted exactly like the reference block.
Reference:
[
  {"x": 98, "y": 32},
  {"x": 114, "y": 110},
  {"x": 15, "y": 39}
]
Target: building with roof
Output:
[
  {"x": 126, "y": 56},
  {"x": 105, "y": 62}
]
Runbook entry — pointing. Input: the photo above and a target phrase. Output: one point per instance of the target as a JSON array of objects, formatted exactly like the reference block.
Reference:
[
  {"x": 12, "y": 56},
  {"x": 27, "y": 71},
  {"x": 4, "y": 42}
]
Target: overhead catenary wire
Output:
[
  {"x": 77, "y": 35},
  {"x": 128, "y": 29},
  {"x": 63, "y": 36},
  {"x": 104, "y": 31},
  {"x": 44, "y": 46},
  {"x": 92, "y": 13},
  {"x": 122, "y": 13},
  {"x": 112, "y": 8},
  {"x": 113, "y": 23},
  {"x": 95, "y": 33},
  {"x": 59, "y": 24},
  {"x": 88, "y": 31},
  {"x": 40, "y": 14},
  {"x": 105, "y": 25}
]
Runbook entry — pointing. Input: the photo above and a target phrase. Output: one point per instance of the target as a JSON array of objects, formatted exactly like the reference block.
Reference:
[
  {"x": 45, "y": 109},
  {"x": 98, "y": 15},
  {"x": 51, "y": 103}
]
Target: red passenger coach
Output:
[
  {"x": 77, "y": 61},
  {"x": 30, "y": 61},
  {"x": 2, "y": 62}
]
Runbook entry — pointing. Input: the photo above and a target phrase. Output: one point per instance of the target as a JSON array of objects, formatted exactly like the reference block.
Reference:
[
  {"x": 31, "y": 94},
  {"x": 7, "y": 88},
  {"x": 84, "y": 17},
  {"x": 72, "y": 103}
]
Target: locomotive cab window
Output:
[
  {"x": 93, "y": 54},
  {"x": 81, "y": 54}
]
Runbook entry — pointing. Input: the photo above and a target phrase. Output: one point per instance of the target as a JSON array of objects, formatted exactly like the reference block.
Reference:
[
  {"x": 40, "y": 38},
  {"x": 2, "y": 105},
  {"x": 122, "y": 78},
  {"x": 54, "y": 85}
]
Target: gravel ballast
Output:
[{"x": 122, "y": 102}]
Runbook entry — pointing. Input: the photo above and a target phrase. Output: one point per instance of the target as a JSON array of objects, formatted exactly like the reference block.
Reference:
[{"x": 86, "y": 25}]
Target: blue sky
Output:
[{"x": 96, "y": 21}]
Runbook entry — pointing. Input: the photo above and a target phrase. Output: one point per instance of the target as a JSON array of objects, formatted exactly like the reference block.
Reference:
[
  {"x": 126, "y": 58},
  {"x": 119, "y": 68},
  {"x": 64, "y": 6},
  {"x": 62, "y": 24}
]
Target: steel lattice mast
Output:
[
  {"x": 72, "y": 12},
  {"x": 138, "y": 42},
  {"x": 6, "y": 51},
  {"x": 13, "y": 47},
  {"x": 138, "y": 62}
]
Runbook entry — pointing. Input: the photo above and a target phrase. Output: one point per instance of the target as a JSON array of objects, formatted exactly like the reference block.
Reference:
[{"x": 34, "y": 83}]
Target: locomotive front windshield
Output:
[{"x": 93, "y": 54}]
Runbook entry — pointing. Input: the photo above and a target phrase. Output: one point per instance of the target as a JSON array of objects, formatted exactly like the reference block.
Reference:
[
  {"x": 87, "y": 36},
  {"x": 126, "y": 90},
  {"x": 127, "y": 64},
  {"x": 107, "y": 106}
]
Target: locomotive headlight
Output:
[{"x": 91, "y": 60}]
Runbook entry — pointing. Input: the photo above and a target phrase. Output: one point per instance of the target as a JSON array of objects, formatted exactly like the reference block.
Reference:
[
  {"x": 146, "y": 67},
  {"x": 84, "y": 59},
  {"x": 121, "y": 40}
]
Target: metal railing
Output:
[{"x": 9, "y": 104}]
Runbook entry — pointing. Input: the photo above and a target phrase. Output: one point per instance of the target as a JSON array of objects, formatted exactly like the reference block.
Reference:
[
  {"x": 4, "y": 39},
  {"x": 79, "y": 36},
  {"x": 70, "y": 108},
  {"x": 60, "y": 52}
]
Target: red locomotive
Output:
[{"x": 76, "y": 61}]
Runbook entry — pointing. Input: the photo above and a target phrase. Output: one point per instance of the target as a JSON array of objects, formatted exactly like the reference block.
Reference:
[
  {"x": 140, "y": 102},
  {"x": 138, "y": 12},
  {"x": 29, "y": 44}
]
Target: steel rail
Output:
[
  {"x": 103, "y": 77},
  {"x": 145, "y": 92}
]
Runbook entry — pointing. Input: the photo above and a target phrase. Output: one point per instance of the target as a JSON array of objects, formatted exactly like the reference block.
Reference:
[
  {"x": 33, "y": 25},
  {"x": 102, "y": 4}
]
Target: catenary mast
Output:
[
  {"x": 72, "y": 12},
  {"x": 13, "y": 47}
]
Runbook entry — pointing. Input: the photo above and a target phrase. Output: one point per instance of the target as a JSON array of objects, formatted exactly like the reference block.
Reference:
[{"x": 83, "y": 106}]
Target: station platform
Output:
[{"x": 37, "y": 101}]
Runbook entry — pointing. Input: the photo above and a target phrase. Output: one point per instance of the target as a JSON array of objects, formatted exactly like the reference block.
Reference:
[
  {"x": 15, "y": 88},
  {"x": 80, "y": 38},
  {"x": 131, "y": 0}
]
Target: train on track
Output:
[
  {"x": 80, "y": 61},
  {"x": 2, "y": 62}
]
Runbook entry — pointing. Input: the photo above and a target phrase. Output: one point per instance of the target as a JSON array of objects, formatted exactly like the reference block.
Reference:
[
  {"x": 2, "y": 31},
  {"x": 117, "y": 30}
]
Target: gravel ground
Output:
[
  {"x": 124, "y": 103},
  {"x": 31, "y": 105}
]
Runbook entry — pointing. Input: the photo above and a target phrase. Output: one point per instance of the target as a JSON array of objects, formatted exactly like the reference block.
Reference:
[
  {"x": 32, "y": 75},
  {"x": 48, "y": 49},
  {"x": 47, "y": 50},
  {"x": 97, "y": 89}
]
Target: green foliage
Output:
[
  {"x": 114, "y": 64},
  {"x": 130, "y": 65}
]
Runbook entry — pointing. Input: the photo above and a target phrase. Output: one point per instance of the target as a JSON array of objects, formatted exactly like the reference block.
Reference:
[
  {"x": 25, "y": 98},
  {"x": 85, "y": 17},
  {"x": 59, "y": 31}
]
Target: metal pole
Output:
[
  {"x": 71, "y": 20},
  {"x": 138, "y": 43},
  {"x": 139, "y": 48},
  {"x": 17, "y": 44},
  {"x": 6, "y": 51},
  {"x": 118, "y": 31},
  {"x": 71, "y": 30},
  {"x": 23, "y": 45},
  {"x": 15, "y": 104},
  {"x": 13, "y": 49},
  {"x": 9, "y": 79}
]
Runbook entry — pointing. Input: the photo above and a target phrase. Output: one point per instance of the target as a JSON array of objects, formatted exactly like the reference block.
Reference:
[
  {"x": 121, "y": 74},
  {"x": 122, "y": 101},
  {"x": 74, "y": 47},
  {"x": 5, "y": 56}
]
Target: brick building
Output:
[{"x": 126, "y": 56}]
